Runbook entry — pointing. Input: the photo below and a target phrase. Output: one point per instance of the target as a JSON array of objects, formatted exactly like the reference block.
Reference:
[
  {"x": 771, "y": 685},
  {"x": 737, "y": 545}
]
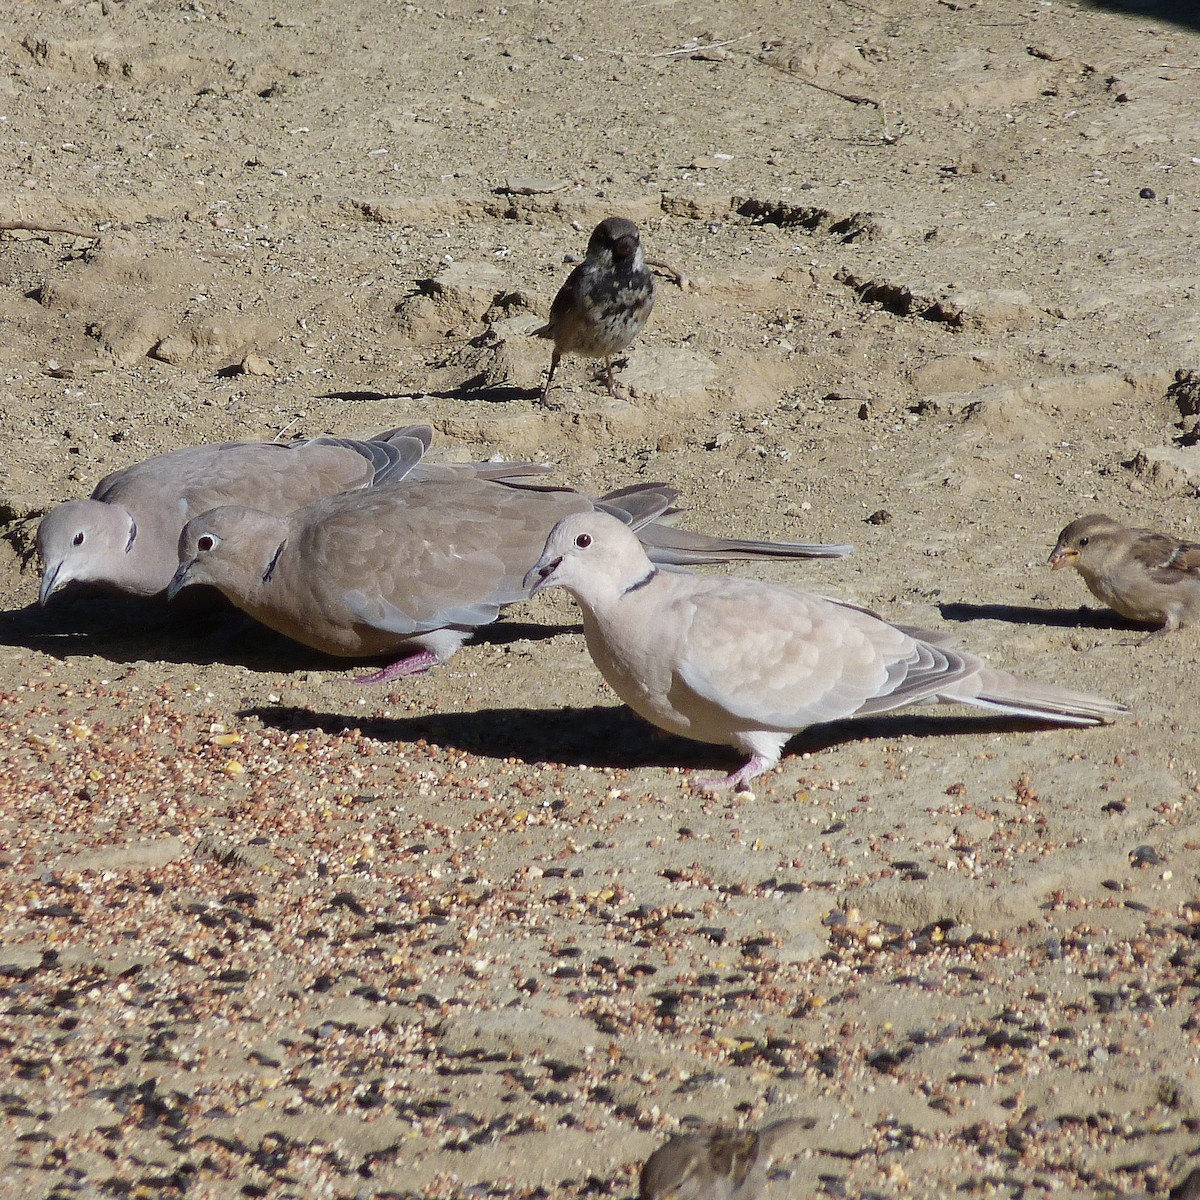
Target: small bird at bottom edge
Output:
[{"x": 719, "y": 1164}]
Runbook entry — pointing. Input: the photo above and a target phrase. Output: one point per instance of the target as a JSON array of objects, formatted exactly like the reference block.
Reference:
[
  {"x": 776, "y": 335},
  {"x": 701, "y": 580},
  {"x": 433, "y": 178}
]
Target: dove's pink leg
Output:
[
  {"x": 755, "y": 765},
  {"x": 414, "y": 664}
]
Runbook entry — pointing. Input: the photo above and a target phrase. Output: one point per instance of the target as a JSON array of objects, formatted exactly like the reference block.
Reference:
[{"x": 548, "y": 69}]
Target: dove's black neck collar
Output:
[
  {"x": 274, "y": 559},
  {"x": 132, "y": 535},
  {"x": 641, "y": 583}
]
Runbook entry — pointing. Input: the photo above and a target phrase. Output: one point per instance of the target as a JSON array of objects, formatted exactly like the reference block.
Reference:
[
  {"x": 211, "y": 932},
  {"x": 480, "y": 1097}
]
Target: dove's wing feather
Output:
[
  {"x": 383, "y": 615},
  {"x": 128, "y": 540},
  {"x": 370, "y": 568},
  {"x": 783, "y": 659},
  {"x": 512, "y": 474}
]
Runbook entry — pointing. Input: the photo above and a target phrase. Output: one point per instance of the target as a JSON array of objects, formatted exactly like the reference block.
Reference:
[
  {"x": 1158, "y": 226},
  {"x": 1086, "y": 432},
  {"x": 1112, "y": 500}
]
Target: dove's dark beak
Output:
[
  {"x": 539, "y": 575},
  {"x": 51, "y": 584},
  {"x": 180, "y": 580}
]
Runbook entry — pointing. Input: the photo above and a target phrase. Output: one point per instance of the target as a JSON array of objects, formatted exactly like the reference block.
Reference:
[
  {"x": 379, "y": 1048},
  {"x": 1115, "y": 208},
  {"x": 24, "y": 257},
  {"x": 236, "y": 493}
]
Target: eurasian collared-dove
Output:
[
  {"x": 415, "y": 567},
  {"x": 125, "y": 537},
  {"x": 720, "y": 1164},
  {"x": 1145, "y": 576},
  {"x": 605, "y": 302},
  {"x": 747, "y": 663}
]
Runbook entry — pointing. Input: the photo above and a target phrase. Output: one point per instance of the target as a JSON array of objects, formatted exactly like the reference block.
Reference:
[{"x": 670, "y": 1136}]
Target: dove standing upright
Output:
[
  {"x": 605, "y": 302},
  {"x": 414, "y": 567},
  {"x": 720, "y": 1164},
  {"x": 125, "y": 537},
  {"x": 749, "y": 664},
  {"x": 1143, "y": 575}
]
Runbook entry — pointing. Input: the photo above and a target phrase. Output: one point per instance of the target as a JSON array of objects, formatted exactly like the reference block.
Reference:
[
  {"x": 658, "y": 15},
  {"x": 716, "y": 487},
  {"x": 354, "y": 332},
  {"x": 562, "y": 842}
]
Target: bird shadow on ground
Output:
[
  {"x": 1021, "y": 614},
  {"x": 1181, "y": 12},
  {"x": 477, "y": 388},
  {"x": 365, "y": 396},
  {"x": 205, "y": 629},
  {"x": 473, "y": 389},
  {"x": 608, "y": 735},
  {"x": 126, "y": 631}
]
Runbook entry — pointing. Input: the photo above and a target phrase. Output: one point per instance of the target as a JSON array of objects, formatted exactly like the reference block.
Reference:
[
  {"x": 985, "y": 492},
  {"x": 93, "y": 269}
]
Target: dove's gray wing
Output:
[
  {"x": 781, "y": 659},
  {"x": 392, "y": 454},
  {"x": 422, "y": 432},
  {"x": 273, "y": 476},
  {"x": 774, "y": 658},
  {"x": 363, "y": 571},
  {"x": 125, "y": 536}
]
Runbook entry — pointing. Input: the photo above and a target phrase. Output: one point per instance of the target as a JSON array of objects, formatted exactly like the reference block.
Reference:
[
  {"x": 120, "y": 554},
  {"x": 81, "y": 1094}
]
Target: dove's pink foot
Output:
[
  {"x": 414, "y": 664},
  {"x": 754, "y": 766}
]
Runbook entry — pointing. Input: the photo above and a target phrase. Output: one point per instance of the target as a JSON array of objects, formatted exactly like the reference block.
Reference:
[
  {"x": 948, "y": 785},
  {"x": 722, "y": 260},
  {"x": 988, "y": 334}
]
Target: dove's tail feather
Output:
[
  {"x": 1004, "y": 693},
  {"x": 639, "y": 504},
  {"x": 675, "y": 547},
  {"x": 649, "y": 509},
  {"x": 423, "y": 433}
]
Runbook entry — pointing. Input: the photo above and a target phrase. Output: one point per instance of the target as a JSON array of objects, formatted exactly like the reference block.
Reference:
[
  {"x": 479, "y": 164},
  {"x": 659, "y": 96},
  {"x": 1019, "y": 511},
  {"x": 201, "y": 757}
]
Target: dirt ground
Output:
[{"x": 266, "y": 932}]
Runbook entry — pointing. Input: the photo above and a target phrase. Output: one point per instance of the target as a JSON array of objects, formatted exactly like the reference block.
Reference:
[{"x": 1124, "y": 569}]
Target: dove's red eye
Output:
[
  {"x": 77, "y": 540},
  {"x": 205, "y": 543},
  {"x": 583, "y": 541}
]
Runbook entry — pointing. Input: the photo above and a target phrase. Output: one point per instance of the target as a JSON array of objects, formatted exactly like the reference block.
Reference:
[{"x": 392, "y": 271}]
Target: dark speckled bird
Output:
[{"x": 605, "y": 302}]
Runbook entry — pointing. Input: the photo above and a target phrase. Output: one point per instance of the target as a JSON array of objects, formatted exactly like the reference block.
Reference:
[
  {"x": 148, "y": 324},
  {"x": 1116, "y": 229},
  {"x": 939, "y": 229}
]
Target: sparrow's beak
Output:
[
  {"x": 540, "y": 575},
  {"x": 1062, "y": 557},
  {"x": 51, "y": 584},
  {"x": 181, "y": 578}
]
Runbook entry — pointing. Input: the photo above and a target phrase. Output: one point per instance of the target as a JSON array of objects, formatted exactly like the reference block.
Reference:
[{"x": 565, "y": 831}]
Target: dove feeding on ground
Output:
[
  {"x": 719, "y": 1164},
  {"x": 1143, "y": 575},
  {"x": 414, "y": 567},
  {"x": 740, "y": 662},
  {"x": 604, "y": 303},
  {"x": 125, "y": 537}
]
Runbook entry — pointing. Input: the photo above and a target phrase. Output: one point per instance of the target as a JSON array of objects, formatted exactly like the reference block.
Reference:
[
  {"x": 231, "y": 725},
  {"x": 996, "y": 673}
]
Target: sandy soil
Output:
[{"x": 266, "y": 933}]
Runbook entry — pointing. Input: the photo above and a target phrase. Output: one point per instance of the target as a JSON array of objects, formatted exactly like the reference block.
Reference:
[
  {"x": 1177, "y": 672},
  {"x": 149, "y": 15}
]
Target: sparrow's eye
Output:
[
  {"x": 77, "y": 540},
  {"x": 206, "y": 543},
  {"x": 1083, "y": 541},
  {"x": 583, "y": 541}
]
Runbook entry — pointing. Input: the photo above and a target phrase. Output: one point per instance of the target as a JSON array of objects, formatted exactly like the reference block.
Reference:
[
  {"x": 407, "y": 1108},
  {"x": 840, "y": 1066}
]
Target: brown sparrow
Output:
[
  {"x": 605, "y": 302},
  {"x": 1145, "y": 576},
  {"x": 721, "y": 1164}
]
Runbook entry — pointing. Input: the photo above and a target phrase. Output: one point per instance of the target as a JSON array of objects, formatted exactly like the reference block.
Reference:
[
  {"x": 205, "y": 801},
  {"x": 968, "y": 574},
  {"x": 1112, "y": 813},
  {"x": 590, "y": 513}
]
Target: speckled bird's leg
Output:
[
  {"x": 550, "y": 375},
  {"x": 612, "y": 383}
]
